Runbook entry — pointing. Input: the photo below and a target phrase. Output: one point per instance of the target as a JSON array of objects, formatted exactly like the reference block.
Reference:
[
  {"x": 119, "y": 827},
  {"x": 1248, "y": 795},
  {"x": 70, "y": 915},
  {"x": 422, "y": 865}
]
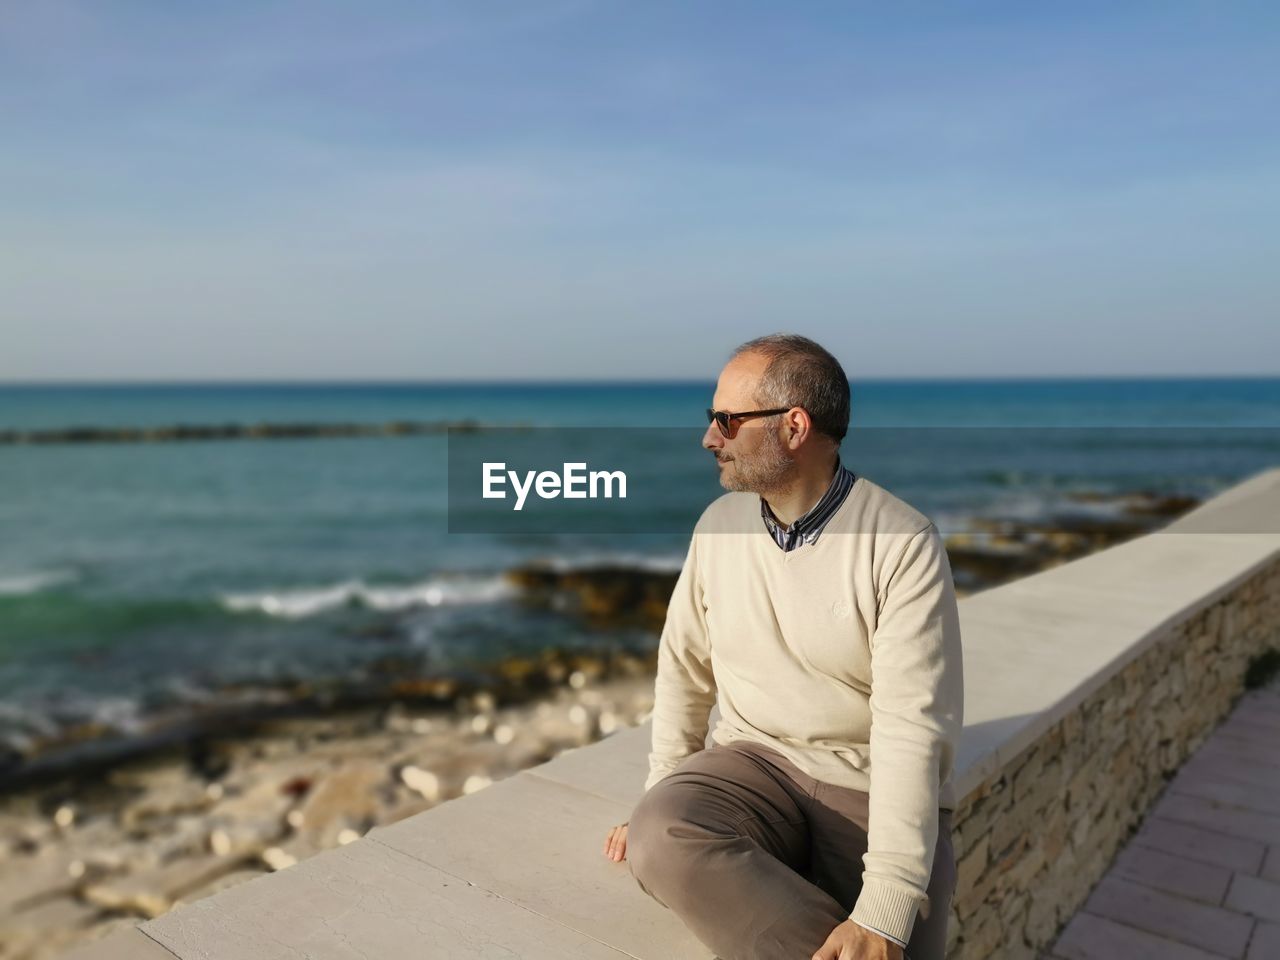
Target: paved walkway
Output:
[{"x": 1201, "y": 878}]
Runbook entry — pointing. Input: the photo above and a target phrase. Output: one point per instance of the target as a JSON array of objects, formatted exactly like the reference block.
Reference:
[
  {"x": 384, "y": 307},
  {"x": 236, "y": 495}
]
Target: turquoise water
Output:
[{"x": 135, "y": 577}]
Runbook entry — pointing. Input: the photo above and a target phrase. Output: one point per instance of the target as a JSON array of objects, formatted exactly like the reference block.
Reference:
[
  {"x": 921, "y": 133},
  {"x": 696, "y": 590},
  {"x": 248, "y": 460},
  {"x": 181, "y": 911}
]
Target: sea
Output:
[{"x": 144, "y": 577}]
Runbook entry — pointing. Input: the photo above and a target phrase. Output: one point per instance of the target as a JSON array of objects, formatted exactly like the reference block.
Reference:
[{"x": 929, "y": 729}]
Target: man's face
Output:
[{"x": 756, "y": 459}]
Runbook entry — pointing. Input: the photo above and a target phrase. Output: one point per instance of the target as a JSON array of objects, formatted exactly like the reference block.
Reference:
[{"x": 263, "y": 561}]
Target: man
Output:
[{"x": 821, "y": 610}]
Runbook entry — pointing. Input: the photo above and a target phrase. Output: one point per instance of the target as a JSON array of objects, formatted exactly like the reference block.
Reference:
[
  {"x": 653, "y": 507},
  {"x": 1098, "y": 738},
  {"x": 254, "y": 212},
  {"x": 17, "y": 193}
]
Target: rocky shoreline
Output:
[
  {"x": 86, "y": 751},
  {"x": 84, "y": 856},
  {"x": 107, "y": 840}
]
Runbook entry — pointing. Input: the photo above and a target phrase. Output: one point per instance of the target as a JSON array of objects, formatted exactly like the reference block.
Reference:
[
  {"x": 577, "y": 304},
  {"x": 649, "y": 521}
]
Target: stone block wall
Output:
[{"x": 1033, "y": 839}]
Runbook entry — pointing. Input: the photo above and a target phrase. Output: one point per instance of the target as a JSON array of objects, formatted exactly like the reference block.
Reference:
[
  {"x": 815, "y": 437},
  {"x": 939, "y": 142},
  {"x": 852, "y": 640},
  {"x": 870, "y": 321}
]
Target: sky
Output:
[{"x": 596, "y": 190}]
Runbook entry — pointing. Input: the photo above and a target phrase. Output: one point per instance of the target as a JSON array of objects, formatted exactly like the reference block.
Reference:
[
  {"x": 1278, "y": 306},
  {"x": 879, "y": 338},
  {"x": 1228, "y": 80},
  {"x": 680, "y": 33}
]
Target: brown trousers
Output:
[{"x": 761, "y": 861}]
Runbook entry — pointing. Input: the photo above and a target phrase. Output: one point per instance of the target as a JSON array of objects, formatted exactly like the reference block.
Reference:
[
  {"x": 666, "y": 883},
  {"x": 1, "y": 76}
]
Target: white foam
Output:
[
  {"x": 118, "y": 713},
  {"x": 308, "y": 601},
  {"x": 34, "y": 581}
]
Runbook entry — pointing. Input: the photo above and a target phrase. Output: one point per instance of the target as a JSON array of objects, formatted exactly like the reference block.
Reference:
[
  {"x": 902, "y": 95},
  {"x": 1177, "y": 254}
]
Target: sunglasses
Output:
[{"x": 728, "y": 422}]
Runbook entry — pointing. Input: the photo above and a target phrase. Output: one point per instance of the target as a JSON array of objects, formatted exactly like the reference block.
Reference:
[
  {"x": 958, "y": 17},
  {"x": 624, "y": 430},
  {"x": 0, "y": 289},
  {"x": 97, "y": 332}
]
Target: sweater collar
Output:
[{"x": 807, "y": 528}]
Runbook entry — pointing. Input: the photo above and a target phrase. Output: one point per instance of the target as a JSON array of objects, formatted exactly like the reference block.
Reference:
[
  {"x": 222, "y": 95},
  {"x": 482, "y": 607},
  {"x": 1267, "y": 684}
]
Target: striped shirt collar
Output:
[{"x": 807, "y": 528}]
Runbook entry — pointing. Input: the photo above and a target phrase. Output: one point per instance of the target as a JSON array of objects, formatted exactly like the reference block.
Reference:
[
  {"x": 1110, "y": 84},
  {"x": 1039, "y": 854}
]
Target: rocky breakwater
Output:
[
  {"x": 165, "y": 433},
  {"x": 607, "y": 595},
  {"x": 1000, "y": 549}
]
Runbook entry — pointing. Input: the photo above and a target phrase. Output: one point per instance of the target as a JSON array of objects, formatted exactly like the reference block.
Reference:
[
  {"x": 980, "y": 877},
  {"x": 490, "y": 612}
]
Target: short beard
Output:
[{"x": 765, "y": 471}]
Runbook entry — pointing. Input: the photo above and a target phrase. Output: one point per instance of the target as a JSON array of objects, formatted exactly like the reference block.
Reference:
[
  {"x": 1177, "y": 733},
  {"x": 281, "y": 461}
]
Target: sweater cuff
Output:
[
  {"x": 881, "y": 932},
  {"x": 886, "y": 908}
]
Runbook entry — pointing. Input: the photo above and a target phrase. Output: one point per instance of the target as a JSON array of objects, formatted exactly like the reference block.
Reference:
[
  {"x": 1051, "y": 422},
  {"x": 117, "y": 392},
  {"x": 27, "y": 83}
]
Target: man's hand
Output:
[
  {"x": 852, "y": 941},
  {"x": 615, "y": 845}
]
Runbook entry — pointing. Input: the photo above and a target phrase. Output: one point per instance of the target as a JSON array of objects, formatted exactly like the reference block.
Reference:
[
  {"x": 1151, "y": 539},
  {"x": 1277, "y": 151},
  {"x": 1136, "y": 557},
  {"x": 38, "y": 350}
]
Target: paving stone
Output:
[
  {"x": 1265, "y": 944},
  {"x": 1263, "y": 735},
  {"x": 1254, "y": 896},
  {"x": 1248, "y": 753},
  {"x": 1196, "y": 924},
  {"x": 1215, "y": 768},
  {"x": 1205, "y": 846},
  {"x": 1262, "y": 711},
  {"x": 1089, "y": 937},
  {"x": 365, "y": 900},
  {"x": 1172, "y": 874},
  {"x": 1212, "y": 816},
  {"x": 1271, "y": 866},
  {"x": 1243, "y": 796}
]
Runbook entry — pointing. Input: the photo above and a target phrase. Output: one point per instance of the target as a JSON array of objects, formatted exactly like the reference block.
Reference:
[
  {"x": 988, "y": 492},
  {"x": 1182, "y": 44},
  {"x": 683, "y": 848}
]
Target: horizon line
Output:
[{"x": 613, "y": 381}]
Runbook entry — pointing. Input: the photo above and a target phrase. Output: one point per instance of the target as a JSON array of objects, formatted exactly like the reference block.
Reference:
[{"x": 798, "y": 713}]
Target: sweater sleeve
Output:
[
  {"x": 917, "y": 712},
  {"x": 685, "y": 688}
]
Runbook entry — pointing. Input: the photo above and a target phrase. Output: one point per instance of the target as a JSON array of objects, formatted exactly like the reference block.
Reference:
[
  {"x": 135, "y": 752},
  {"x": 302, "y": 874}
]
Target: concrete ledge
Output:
[
  {"x": 517, "y": 869},
  {"x": 1036, "y": 649}
]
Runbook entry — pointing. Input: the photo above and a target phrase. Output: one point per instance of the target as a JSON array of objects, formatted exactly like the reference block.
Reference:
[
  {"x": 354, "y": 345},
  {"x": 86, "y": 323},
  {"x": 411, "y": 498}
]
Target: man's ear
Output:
[{"x": 799, "y": 426}]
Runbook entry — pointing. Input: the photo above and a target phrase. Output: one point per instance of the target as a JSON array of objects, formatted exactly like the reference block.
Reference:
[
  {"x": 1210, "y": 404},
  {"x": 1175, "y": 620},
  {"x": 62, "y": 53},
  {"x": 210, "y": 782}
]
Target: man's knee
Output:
[
  {"x": 646, "y": 827},
  {"x": 649, "y": 834}
]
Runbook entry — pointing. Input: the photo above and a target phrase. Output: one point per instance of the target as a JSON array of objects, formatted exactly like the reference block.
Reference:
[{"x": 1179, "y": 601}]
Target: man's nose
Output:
[{"x": 712, "y": 438}]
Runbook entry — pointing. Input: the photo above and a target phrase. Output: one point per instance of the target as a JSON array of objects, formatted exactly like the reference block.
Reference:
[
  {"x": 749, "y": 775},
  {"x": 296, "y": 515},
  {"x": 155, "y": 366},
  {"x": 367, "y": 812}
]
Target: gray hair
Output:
[{"x": 800, "y": 373}]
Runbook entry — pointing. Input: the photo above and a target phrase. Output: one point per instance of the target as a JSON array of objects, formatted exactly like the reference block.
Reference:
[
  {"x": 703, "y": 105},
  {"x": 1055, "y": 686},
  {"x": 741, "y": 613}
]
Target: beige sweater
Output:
[{"x": 844, "y": 655}]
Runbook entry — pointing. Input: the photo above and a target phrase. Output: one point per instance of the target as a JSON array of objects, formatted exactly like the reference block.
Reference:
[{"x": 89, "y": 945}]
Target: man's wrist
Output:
[{"x": 889, "y": 937}]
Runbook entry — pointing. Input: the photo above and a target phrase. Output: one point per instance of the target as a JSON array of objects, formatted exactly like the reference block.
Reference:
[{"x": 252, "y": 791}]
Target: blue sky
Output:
[{"x": 588, "y": 189}]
